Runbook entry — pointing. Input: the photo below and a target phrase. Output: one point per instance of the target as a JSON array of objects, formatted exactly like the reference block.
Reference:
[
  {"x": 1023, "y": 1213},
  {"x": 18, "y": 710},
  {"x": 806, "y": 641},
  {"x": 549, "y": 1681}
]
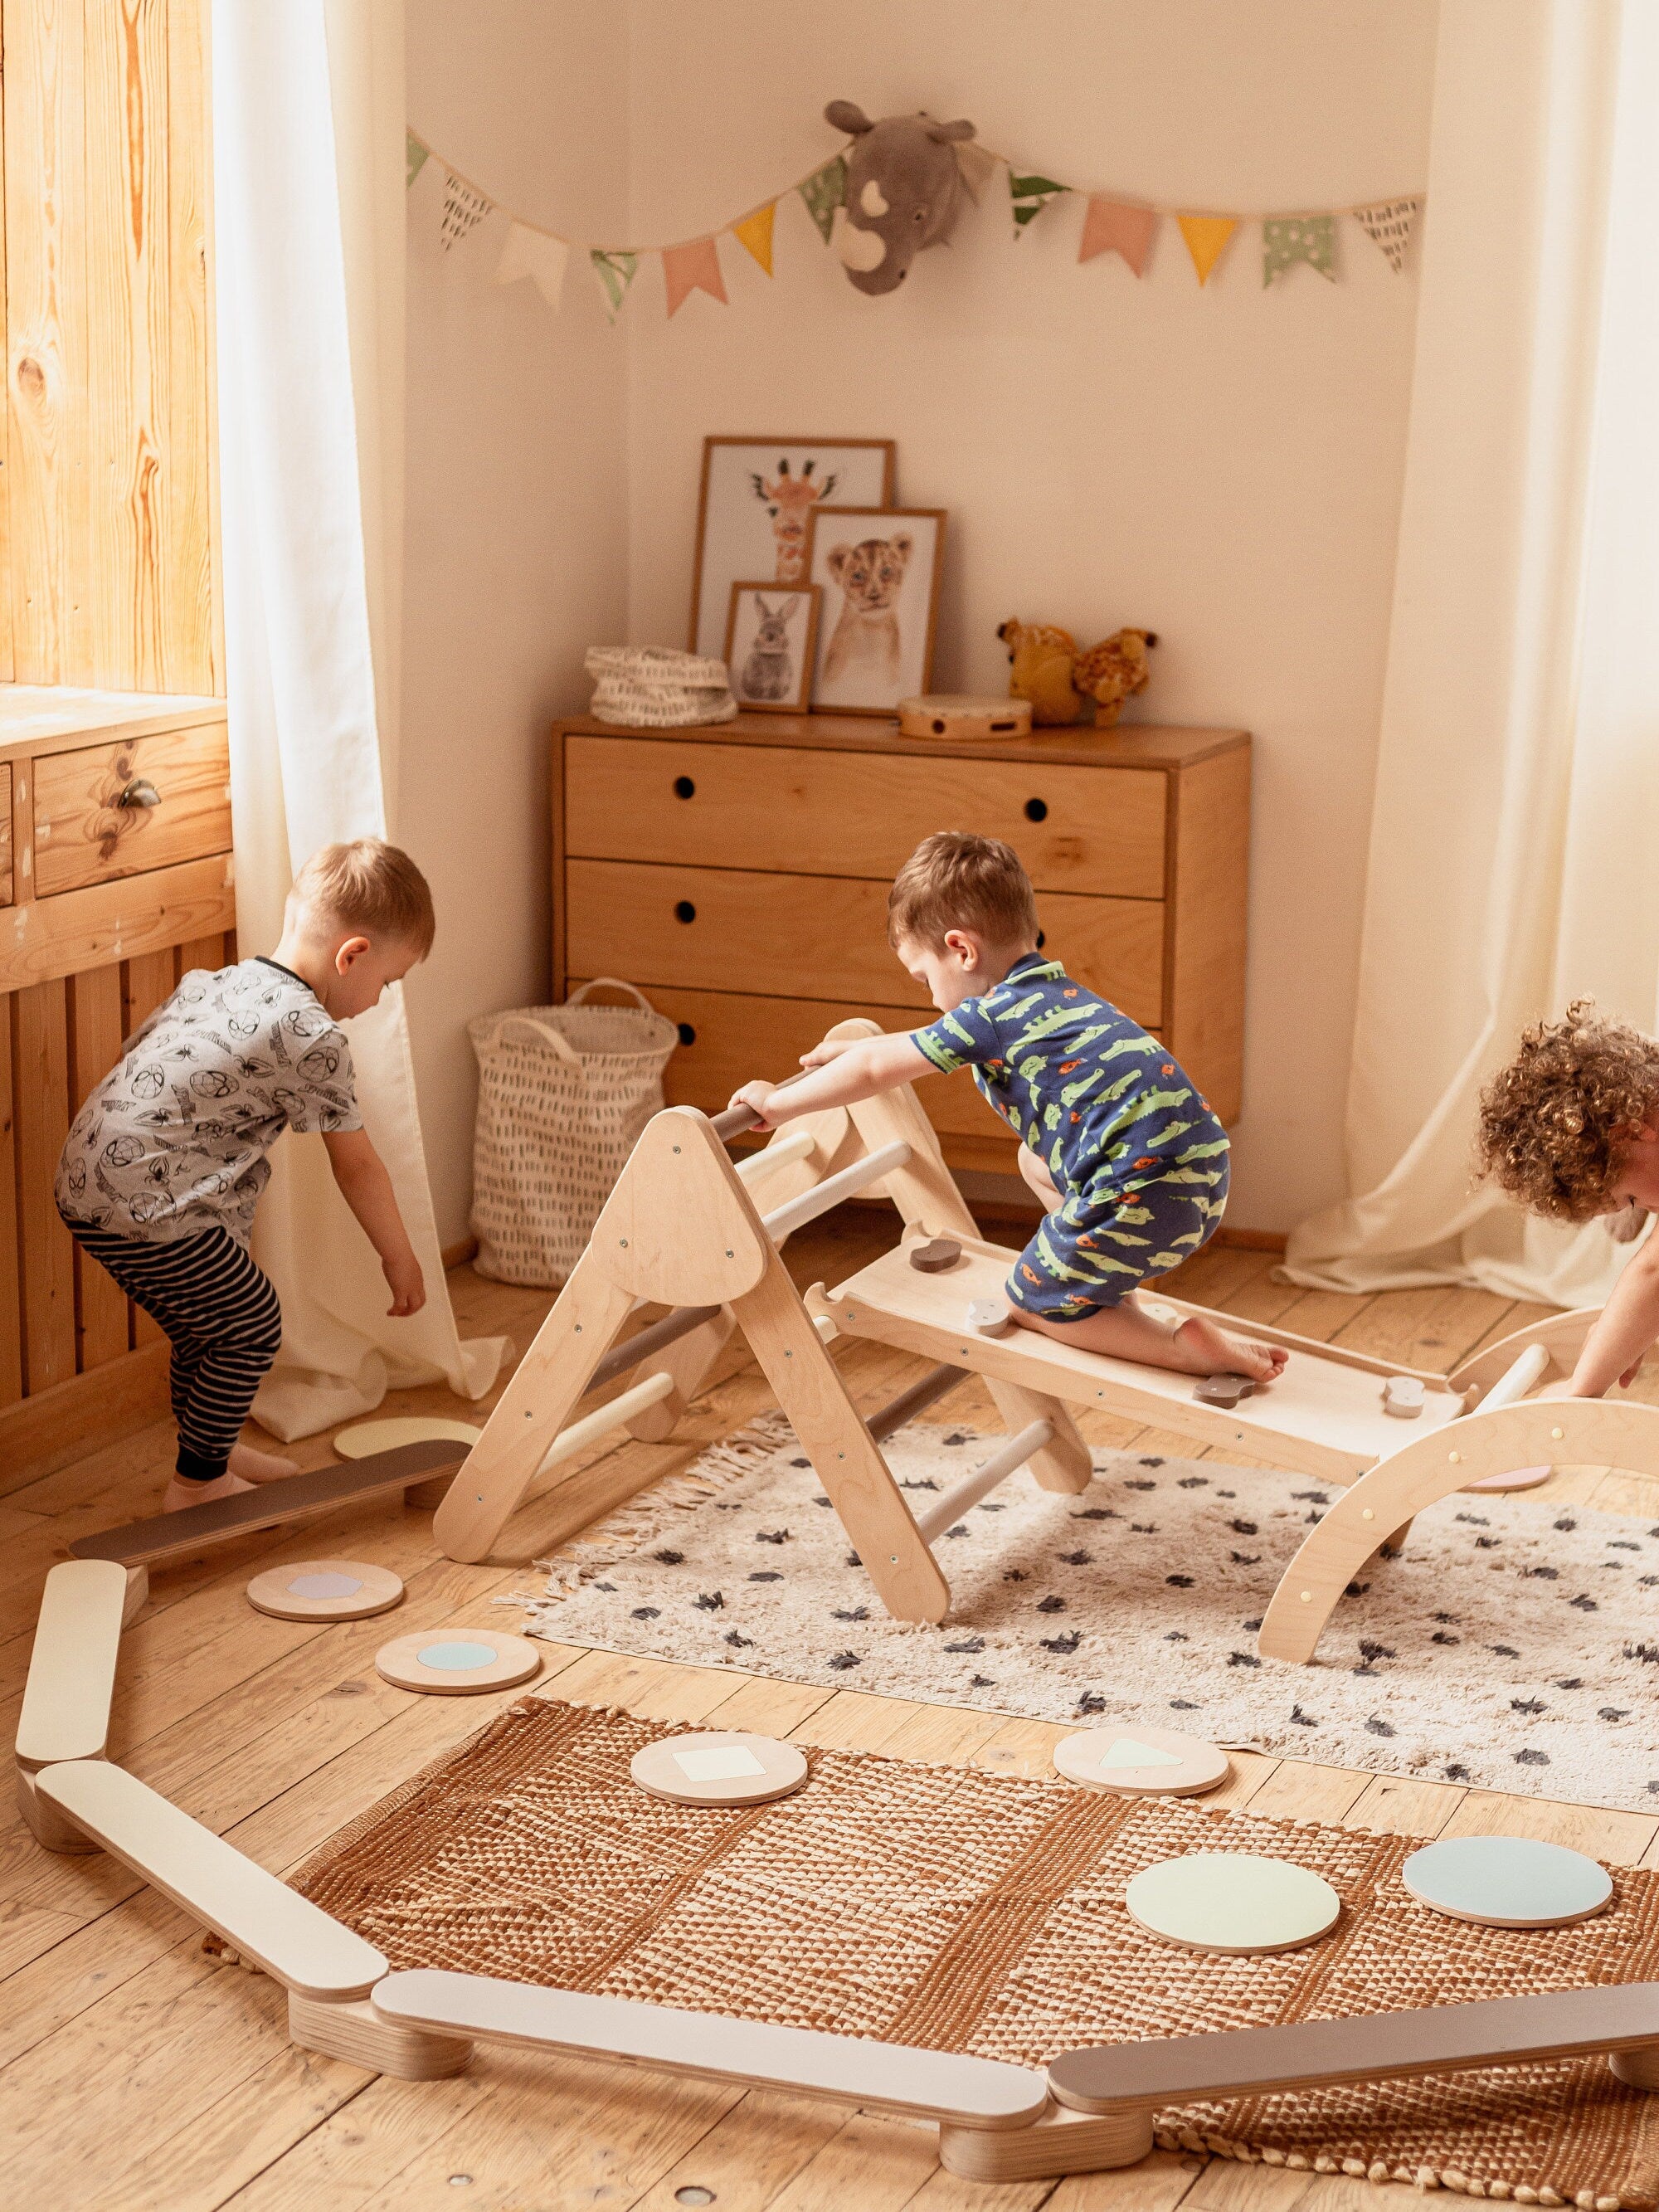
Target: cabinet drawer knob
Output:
[
  {"x": 684, "y": 911},
  {"x": 684, "y": 788},
  {"x": 1036, "y": 810},
  {"x": 688, "y": 1035},
  {"x": 141, "y": 791}
]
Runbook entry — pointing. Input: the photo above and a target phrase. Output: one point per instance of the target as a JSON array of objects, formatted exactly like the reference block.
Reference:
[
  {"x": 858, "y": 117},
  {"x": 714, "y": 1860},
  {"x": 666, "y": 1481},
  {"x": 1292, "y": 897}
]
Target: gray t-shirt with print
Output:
[{"x": 174, "y": 1140}]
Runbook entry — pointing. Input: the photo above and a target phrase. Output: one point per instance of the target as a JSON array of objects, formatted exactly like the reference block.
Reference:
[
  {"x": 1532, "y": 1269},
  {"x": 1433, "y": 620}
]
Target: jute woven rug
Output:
[
  {"x": 1514, "y": 1645},
  {"x": 963, "y": 1910}
]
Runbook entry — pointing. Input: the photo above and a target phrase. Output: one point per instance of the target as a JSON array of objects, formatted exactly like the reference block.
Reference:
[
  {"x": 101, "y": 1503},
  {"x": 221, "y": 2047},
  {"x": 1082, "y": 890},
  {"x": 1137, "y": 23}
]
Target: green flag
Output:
[
  {"x": 1288, "y": 238},
  {"x": 823, "y": 192},
  {"x": 413, "y": 158},
  {"x": 616, "y": 272},
  {"x": 1030, "y": 195}
]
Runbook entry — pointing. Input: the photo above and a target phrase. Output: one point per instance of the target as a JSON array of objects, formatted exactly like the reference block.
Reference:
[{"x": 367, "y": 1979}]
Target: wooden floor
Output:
[{"x": 135, "y": 2072}]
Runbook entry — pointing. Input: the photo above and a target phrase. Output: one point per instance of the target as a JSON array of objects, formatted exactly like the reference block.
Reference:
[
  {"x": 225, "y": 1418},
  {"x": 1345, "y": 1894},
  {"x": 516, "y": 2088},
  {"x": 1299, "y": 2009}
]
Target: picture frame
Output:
[
  {"x": 742, "y": 532},
  {"x": 879, "y": 569},
  {"x": 771, "y": 644}
]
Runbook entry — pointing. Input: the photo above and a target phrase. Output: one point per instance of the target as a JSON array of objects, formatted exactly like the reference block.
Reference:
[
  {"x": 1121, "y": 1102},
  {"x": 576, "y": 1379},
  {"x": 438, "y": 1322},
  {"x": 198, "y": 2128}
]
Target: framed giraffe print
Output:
[{"x": 757, "y": 496}]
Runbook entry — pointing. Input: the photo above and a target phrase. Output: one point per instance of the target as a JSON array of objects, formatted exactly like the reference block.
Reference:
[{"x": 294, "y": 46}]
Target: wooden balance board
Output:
[
  {"x": 1508, "y": 1881},
  {"x": 1323, "y": 1416},
  {"x": 456, "y": 1663},
  {"x": 717, "y": 1767},
  {"x": 325, "y": 1590},
  {"x": 1233, "y": 1902},
  {"x": 1138, "y": 1762}
]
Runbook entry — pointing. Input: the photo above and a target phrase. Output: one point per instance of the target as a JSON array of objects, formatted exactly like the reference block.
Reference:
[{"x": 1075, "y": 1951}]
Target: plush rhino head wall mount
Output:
[{"x": 904, "y": 191}]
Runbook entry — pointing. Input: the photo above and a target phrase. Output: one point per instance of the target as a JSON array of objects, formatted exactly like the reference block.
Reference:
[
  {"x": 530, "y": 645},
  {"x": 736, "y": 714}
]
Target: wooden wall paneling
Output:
[
  {"x": 11, "y": 1311},
  {"x": 51, "y": 582},
  {"x": 6, "y": 675},
  {"x": 201, "y": 952},
  {"x": 39, "y": 1040},
  {"x": 146, "y": 980},
  {"x": 194, "y": 655},
  {"x": 6, "y": 880},
  {"x": 102, "y": 1328}
]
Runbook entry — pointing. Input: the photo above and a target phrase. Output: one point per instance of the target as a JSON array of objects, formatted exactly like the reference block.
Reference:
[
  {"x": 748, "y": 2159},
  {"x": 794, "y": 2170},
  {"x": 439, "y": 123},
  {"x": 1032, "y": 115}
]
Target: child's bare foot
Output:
[
  {"x": 182, "y": 1493},
  {"x": 1216, "y": 1353},
  {"x": 260, "y": 1467}
]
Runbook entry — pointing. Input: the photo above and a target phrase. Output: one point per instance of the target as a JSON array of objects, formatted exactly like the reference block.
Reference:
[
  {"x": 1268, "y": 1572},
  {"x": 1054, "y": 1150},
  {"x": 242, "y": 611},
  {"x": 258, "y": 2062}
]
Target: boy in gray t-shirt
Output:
[{"x": 165, "y": 1162}]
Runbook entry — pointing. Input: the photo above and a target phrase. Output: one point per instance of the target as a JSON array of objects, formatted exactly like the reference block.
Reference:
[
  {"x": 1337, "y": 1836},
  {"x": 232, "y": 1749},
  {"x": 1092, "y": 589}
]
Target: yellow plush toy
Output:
[{"x": 1047, "y": 668}]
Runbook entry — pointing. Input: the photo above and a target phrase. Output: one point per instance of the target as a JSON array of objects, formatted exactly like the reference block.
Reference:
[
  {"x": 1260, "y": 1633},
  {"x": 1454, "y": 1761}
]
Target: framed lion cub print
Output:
[{"x": 878, "y": 568}]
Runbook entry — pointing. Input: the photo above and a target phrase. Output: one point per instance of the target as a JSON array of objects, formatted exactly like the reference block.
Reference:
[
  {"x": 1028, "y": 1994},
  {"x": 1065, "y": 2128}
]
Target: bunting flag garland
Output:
[
  {"x": 1111, "y": 224},
  {"x": 1118, "y": 227},
  {"x": 616, "y": 272},
  {"x": 1389, "y": 224},
  {"x": 1206, "y": 237},
  {"x": 532, "y": 253},
  {"x": 465, "y": 209},
  {"x": 693, "y": 268},
  {"x": 754, "y": 234},
  {"x": 1288, "y": 238},
  {"x": 1030, "y": 195},
  {"x": 822, "y": 193}
]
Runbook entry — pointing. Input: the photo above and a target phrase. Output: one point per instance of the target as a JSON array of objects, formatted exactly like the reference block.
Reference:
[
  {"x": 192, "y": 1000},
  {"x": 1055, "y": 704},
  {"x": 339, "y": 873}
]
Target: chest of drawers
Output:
[{"x": 739, "y": 874}]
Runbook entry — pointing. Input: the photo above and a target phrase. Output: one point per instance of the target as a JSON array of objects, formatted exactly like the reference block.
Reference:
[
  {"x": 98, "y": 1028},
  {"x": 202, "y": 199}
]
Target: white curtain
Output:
[
  {"x": 1512, "y": 855},
  {"x": 307, "y": 129}
]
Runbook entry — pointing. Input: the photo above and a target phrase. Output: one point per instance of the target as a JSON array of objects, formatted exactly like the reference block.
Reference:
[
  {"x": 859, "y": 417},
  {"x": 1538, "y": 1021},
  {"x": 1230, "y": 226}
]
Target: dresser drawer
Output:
[
  {"x": 730, "y": 1037},
  {"x": 821, "y": 938},
  {"x": 820, "y": 813},
  {"x": 6, "y": 892},
  {"x": 83, "y": 834}
]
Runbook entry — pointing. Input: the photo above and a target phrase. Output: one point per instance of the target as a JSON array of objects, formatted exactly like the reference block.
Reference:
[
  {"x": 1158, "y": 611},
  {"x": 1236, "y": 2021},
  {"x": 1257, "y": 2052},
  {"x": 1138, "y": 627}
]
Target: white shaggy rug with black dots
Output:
[{"x": 1514, "y": 1645}]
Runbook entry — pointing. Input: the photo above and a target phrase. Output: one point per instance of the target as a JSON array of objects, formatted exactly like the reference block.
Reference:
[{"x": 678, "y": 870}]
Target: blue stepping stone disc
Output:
[
  {"x": 456, "y": 1658},
  {"x": 1507, "y": 1881}
]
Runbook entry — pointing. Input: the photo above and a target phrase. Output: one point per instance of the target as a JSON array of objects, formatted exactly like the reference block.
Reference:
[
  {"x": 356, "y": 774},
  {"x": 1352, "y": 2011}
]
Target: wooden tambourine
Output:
[{"x": 960, "y": 714}]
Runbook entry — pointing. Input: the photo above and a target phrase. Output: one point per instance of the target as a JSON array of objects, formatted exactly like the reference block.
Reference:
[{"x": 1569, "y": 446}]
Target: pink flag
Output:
[
  {"x": 1118, "y": 227},
  {"x": 694, "y": 268}
]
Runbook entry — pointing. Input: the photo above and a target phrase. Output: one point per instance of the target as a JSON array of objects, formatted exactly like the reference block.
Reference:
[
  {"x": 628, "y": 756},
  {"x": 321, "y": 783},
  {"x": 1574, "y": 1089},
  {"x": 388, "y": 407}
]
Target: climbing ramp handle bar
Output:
[
  {"x": 784, "y": 1220},
  {"x": 935, "y": 2085},
  {"x": 936, "y": 1383},
  {"x": 1513, "y": 1384},
  {"x": 963, "y": 1496}
]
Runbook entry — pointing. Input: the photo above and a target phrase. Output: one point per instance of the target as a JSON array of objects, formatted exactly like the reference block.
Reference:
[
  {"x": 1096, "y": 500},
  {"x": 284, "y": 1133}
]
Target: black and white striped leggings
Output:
[{"x": 222, "y": 1318}]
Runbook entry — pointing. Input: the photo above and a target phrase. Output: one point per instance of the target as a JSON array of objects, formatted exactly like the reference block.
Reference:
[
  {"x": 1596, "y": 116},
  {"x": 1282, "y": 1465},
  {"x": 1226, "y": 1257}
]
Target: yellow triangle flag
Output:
[
  {"x": 1206, "y": 237},
  {"x": 755, "y": 232}
]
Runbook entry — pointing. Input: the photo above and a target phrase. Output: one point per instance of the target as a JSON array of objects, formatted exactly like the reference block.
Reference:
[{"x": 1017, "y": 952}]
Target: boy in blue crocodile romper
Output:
[{"x": 1128, "y": 1158}]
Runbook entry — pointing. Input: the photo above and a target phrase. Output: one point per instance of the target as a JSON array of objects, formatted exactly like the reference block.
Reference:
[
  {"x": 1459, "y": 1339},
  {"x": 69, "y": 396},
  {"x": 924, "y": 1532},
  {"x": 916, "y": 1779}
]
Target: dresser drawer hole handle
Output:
[
  {"x": 1043, "y": 939},
  {"x": 688, "y": 1035},
  {"x": 684, "y": 911},
  {"x": 684, "y": 788},
  {"x": 1036, "y": 810},
  {"x": 141, "y": 791}
]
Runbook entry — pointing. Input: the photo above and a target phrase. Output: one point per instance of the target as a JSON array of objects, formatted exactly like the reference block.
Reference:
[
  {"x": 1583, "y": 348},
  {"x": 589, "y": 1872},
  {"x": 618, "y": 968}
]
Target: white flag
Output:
[
  {"x": 465, "y": 209},
  {"x": 532, "y": 253}
]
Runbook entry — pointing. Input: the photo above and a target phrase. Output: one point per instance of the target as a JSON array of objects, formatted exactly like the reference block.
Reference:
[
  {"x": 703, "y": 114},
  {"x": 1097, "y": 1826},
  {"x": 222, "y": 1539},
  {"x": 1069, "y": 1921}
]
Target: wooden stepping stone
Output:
[
  {"x": 1137, "y": 1762},
  {"x": 364, "y": 1438},
  {"x": 938, "y": 1255},
  {"x": 325, "y": 1590},
  {"x": 457, "y": 1662},
  {"x": 1507, "y": 1881},
  {"x": 717, "y": 1767},
  {"x": 1233, "y": 1902}
]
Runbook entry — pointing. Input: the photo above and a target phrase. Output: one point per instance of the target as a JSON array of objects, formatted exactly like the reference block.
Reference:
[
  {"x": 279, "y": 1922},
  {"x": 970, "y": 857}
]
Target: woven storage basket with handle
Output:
[{"x": 563, "y": 1093}]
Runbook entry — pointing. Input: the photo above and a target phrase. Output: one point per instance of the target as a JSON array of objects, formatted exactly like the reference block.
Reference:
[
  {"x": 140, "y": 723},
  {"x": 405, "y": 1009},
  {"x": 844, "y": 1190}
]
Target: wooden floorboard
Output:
[{"x": 135, "y": 2072}]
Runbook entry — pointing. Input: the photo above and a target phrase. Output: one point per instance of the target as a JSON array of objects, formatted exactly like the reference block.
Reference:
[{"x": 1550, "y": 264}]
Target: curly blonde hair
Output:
[{"x": 1557, "y": 1123}]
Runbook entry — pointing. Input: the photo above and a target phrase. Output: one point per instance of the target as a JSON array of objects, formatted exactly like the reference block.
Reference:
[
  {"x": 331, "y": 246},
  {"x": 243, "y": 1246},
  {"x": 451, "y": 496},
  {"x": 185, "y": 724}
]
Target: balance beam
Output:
[{"x": 70, "y": 1686}]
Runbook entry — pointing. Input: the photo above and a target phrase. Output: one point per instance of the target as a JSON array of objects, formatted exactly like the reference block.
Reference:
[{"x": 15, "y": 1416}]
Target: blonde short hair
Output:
[
  {"x": 1557, "y": 1124},
  {"x": 370, "y": 886},
  {"x": 954, "y": 880}
]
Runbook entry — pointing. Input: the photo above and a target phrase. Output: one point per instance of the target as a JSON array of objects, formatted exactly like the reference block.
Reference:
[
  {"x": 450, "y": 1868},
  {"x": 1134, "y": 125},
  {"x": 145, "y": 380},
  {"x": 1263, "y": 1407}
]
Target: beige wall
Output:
[
  {"x": 1223, "y": 466},
  {"x": 516, "y": 534}
]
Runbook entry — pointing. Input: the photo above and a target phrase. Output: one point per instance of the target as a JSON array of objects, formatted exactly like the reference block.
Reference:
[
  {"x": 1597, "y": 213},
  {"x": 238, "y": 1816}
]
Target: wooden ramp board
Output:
[
  {"x": 1438, "y": 2039},
  {"x": 928, "y": 2085},
  {"x": 1323, "y": 1416},
  {"x": 71, "y": 1677},
  {"x": 294, "y": 1941},
  {"x": 170, "y": 1535}
]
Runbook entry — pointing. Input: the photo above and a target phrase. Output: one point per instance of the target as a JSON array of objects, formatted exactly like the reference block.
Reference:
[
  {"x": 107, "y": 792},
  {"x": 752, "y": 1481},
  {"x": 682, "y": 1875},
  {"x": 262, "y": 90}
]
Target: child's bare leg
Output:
[
  {"x": 182, "y": 1493},
  {"x": 1038, "y": 1179},
  {"x": 1194, "y": 1346}
]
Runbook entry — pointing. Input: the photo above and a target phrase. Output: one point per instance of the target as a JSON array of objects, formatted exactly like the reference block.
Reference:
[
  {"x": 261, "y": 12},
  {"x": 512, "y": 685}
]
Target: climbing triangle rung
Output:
[{"x": 963, "y": 1496}]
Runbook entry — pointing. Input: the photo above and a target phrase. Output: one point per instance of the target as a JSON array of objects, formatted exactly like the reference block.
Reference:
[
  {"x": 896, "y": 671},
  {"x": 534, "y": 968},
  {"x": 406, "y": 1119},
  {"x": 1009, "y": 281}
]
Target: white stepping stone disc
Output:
[
  {"x": 325, "y": 1590},
  {"x": 718, "y": 1766},
  {"x": 363, "y": 1439},
  {"x": 1138, "y": 1762},
  {"x": 456, "y": 1663},
  {"x": 1516, "y": 1478},
  {"x": 1232, "y": 1902},
  {"x": 1507, "y": 1881}
]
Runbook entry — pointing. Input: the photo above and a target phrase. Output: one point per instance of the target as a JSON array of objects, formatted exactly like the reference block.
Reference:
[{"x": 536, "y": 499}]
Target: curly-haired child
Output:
[{"x": 1570, "y": 1130}]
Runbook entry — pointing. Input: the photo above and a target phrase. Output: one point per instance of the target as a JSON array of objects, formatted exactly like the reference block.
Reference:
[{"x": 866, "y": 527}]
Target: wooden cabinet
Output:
[
  {"x": 739, "y": 875},
  {"x": 102, "y": 908}
]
